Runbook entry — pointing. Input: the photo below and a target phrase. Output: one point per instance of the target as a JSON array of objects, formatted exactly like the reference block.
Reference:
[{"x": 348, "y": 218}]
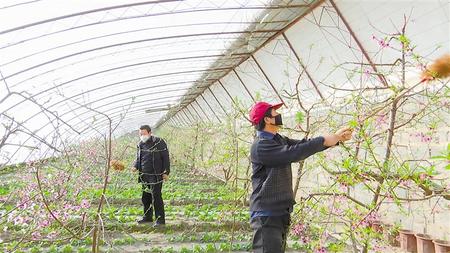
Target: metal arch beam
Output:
[
  {"x": 127, "y": 91},
  {"x": 124, "y": 99},
  {"x": 77, "y": 116},
  {"x": 151, "y": 15},
  {"x": 188, "y": 119},
  {"x": 18, "y": 4},
  {"x": 95, "y": 131},
  {"x": 183, "y": 120},
  {"x": 130, "y": 80},
  {"x": 163, "y": 100},
  {"x": 119, "y": 67},
  {"x": 228, "y": 93},
  {"x": 42, "y": 127},
  {"x": 190, "y": 113},
  {"x": 84, "y": 13},
  {"x": 181, "y": 110},
  {"x": 189, "y": 110},
  {"x": 128, "y": 43},
  {"x": 133, "y": 105},
  {"x": 139, "y": 110},
  {"x": 103, "y": 124},
  {"x": 125, "y": 32},
  {"x": 103, "y": 98},
  {"x": 135, "y": 65},
  {"x": 179, "y": 120},
  {"x": 46, "y": 136},
  {"x": 53, "y": 131},
  {"x": 176, "y": 118},
  {"x": 91, "y": 131},
  {"x": 115, "y": 115}
]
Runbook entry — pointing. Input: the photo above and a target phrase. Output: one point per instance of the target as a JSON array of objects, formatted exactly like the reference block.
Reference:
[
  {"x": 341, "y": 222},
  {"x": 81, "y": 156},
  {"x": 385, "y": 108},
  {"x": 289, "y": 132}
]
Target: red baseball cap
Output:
[{"x": 259, "y": 109}]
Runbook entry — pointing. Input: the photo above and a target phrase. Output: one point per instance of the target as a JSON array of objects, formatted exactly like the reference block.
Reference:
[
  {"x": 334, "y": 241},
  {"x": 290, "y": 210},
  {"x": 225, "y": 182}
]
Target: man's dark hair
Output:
[
  {"x": 262, "y": 124},
  {"x": 146, "y": 127}
]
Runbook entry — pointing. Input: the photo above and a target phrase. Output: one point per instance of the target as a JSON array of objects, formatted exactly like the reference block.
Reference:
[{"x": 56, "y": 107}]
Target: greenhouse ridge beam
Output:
[{"x": 310, "y": 8}]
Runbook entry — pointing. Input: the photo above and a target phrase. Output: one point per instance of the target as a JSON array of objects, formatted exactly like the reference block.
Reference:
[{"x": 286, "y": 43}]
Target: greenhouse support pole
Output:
[
  {"x": 217, "y": 100},
  {"x": 193, "y": 108},
  {"x": 363, "y": 50},
  {"x": 268, "y": 80},
  {"x": 243, "y": 84},
  {"x": 189, "y": 119},
  {"x": 229, "y": 95},
  {"x": 220, "y": 121},
  {"x": 303, "y": 66},
  {"x": 198, "y": 105}
]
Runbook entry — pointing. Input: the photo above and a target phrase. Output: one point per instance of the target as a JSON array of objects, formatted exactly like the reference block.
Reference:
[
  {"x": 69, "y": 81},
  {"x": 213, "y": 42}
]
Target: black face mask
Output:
[{"x": 278, "y": 120}]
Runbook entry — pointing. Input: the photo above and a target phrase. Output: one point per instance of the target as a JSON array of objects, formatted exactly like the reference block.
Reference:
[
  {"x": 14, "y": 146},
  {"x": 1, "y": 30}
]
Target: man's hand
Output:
[
  {"x": 344, "y": 133},
  {"x": 134, "y": 169},
  {"x": 165, "y": 177}
]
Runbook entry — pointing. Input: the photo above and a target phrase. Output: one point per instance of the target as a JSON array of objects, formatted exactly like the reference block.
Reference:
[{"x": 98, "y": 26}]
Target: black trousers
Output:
[
  {"x": 152, "y": 198},
  {"x": 270, "y": 233}
]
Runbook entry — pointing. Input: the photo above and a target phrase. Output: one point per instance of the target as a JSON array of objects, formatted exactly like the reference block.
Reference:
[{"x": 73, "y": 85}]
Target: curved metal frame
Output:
[
  {"x": 125, "y": 32},
  {"x": 186, "y": 102},
  {"x": 310, "y": 8},
  {"x": 135, "y": 79},
  {"x": 91, "y": 58},
  {"x": 139, "y": 16},
  {"x": 127, "y": 43}
]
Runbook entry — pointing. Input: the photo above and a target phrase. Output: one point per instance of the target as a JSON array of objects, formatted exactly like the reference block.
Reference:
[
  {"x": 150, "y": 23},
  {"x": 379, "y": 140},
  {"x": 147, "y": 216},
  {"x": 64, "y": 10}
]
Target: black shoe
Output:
[
  {"x": 159, "y": 224},
  {"x": 145, "y": 220}
]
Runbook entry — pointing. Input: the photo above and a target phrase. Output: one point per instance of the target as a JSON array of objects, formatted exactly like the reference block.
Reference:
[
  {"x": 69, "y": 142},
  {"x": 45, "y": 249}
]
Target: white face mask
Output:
[{"x": 144, "y": 138}]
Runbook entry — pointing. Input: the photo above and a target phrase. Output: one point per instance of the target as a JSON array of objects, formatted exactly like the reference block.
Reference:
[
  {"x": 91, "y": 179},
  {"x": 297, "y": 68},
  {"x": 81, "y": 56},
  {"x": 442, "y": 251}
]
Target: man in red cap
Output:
[{"x": 272, "y": 199}]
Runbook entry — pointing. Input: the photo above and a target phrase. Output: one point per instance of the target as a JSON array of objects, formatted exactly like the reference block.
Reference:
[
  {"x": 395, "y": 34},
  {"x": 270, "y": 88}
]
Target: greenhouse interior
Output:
[{"x": 202, "y": 126}]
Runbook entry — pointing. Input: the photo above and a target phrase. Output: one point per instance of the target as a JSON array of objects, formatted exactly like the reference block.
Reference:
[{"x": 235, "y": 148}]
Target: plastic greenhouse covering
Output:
[{"x": 78, "y": 78}]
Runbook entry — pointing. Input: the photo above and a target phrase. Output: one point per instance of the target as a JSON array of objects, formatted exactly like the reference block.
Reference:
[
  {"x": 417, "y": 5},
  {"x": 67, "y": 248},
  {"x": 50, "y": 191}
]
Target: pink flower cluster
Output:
[
  {"x": 423, "y": 137},
  {"x": 379, "y": 248},
  {"x": 368, "y": 220},
  {"x": 381, "y": 120},
  {"x": 381, "y": 42},
  {"x": 424, "y": 176},
  {"x": 298, "y": 229},
  {"x": 301, "y": 231},
  {"x": 321, "y": 250}
]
